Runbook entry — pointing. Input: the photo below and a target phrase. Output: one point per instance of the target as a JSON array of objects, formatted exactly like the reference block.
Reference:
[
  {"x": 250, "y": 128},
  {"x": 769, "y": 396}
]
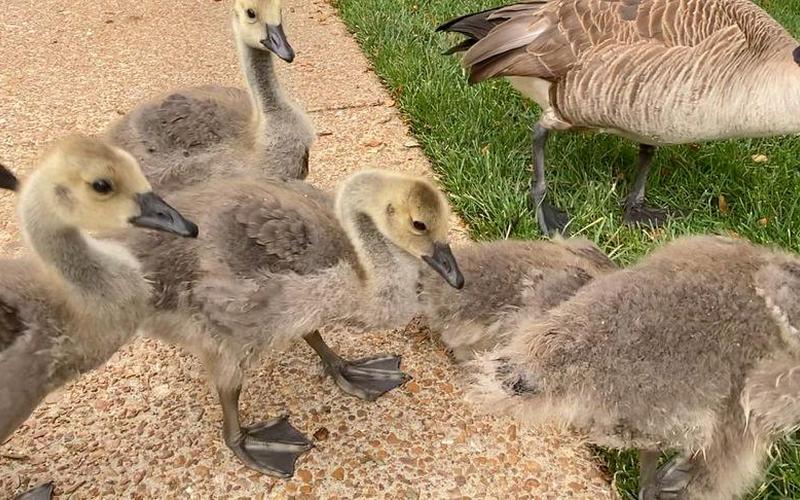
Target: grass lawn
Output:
[{"x": 478, "y": 139}]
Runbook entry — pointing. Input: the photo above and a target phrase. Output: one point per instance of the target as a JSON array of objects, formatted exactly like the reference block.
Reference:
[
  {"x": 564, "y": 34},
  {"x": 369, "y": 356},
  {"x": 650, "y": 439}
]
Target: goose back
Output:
[
  {"x": 190, "y": 120},
  {"x": 191, "y": 136}
]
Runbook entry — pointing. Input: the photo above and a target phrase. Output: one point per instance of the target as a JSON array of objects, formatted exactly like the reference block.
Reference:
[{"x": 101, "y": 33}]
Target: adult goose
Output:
[{"x": 657, "y": 72}]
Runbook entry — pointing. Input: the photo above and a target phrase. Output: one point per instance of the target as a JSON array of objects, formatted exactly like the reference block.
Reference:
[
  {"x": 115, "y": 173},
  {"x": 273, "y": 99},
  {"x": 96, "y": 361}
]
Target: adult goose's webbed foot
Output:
[
  {"x": 551, "y": 220},
  {"x": 43, "y": 492},
  {"x": 271, "y": 447},
  {"x": 640, "y": 214},
  {"x": 367, "y": 378}
]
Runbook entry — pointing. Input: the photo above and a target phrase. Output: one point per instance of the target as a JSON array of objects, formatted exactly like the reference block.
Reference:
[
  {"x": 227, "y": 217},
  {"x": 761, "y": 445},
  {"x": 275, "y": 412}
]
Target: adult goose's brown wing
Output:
[{"x": 547, "y": 39}]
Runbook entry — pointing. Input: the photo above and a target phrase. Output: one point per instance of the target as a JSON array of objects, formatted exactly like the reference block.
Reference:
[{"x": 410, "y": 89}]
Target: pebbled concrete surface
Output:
[{"x": 147, "y": 425}]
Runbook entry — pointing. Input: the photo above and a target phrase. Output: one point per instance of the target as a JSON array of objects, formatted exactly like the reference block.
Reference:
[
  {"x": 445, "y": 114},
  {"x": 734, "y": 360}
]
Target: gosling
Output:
[
  {"x": 190, "y": 135},
  {"x": 694, "y": 349},
  {"x": 504, "y": 278},
  {"x": 66, "y": 309},
  {"x": 279, "y": 261}
]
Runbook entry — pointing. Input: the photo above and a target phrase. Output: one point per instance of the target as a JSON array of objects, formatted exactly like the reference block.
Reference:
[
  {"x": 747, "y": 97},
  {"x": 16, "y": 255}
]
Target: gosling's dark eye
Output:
[
  {"x": 251, "y": 13},
  {"x": 420, "y": 226},
  {"x": 102, "y": 186},
  {"x": 796, "y": 55}
]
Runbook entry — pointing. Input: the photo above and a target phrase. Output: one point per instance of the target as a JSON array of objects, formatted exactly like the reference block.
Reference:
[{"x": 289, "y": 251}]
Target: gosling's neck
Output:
[
  {"x": 262, "y": 84},
  {"x": 89, "y": 268},
  {"x": 392, "y": 277},
  {"x": 388, "y": 275}
]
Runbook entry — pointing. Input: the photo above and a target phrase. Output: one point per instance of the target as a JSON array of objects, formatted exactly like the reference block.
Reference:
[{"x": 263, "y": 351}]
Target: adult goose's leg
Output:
[
  {"x": 366, "y": 378},
  {"x": 270, "y": 447},
  {"x": 551, "y": 220},
  {"x": 636, "y": 209}
]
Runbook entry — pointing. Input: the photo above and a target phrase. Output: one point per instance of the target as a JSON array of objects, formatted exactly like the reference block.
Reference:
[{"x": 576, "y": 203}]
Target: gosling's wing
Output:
[
  {"x": 28, "y": 344},
  {"x": 184, "y": 120},
  {"x": 266, "y": 231},
  {"x": 276, "y": 227}
]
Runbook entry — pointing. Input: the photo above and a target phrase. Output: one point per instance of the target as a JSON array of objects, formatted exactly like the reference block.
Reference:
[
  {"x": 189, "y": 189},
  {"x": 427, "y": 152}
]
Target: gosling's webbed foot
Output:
[
  {"x": 43, "y": 492},
  {"x": 639, "y": 214},
  {"x": 368, "y": 378},
  {"x": 551, "y": 220},
  {"x": 271, "y": 447},
  {"x": 672, "y": 479}
]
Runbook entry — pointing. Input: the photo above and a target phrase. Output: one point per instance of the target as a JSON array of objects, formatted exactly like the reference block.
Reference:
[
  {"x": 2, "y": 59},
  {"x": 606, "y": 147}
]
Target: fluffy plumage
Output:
[
  {"x": 693, "y": 349},
  {"x": 503, "y": 278},
  {"x": 67, "y": 308},
  {"x": 278, "y": 261},
  {"x": 191, "y": 135}
]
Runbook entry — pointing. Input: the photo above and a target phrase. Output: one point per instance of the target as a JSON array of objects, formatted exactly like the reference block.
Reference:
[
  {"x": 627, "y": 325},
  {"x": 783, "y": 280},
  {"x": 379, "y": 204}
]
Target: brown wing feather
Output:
[{"x": 547, "y": 40}]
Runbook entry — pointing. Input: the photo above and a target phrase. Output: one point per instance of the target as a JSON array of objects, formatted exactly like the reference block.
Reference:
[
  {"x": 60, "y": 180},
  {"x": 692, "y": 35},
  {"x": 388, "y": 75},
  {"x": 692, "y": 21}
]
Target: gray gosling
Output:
[
  {"x": 694, "y": 349},
  {"x": 278, "y": 261},
  {"x": 657, "y": 72},
  {"x": 66, "y": 309},
  {"x": 502, "y": 279},
  {"x": 190, "y": 135}
]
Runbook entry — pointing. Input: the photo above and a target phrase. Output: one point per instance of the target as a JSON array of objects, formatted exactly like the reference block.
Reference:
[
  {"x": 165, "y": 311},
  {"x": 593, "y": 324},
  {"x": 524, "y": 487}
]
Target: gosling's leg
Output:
[
  {"x": 648, "y": 467},
  {"x": 726, "y": 467},
  {"x": 551, "y": 220},
  {"x": 636, "y": 210},
  {"x": 366, "y": 378},
  {"x": 270, "y": 447},
  {"x": 43, "y": 492},
  {"x": 672, "y": 479}
]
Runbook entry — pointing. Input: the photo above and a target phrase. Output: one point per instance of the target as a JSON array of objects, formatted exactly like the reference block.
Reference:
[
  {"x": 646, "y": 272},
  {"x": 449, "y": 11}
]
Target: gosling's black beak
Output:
[
  {"x": 276, "y": 42},
  {"x": 157, "y": 214},
  {"x": 445, "y": 264}
]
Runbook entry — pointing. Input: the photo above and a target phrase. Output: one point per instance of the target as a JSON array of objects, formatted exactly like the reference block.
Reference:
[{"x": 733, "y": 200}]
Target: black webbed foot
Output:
[
  {"x": 368, "y": 378},
  {"x": 43, "y": 492},
  {"x": 639, "y": 214},
  {"x": 671, "y": 480},
  {"x": 551, "y": 219},
  {"x": 270, "y": 447}
]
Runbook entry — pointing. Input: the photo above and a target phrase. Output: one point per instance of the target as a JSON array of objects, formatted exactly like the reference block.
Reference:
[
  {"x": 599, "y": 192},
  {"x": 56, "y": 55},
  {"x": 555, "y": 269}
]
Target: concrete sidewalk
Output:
[{"x": 147, "y": 425}]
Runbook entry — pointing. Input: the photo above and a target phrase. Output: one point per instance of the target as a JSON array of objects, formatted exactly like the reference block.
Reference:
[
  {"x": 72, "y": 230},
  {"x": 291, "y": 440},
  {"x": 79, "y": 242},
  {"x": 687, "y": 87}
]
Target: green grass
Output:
[{"x": 478, "y": 139}]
